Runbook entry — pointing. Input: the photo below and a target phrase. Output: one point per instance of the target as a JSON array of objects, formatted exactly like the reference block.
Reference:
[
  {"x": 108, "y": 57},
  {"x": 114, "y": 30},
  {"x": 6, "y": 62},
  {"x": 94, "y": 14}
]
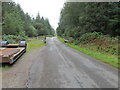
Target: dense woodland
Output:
[
  {"x": 80, "y": 18},
  {"x": 17, "y": 24},
  {"x": 91, "y": 24}
]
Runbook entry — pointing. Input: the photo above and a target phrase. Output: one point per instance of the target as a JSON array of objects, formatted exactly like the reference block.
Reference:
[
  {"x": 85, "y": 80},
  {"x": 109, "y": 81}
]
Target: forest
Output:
[
  {"x": 80, "y": 18},
  {"x": 91, "y": 24},
  {"x": 17, "y": 25}
]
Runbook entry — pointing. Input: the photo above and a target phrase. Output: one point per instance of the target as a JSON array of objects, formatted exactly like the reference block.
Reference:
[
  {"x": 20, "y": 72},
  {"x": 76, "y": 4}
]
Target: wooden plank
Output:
[
  {"x": 13, "y": 45},
  {"x": 9, "y": 51},
  {"x": 2, "y": 51}
]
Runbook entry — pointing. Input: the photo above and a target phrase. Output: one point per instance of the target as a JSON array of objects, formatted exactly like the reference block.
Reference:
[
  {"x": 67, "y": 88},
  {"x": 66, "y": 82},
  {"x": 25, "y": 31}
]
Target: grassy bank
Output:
[
  {"x": 34, "y": 44},
  {"x": 104, "y": 57}
]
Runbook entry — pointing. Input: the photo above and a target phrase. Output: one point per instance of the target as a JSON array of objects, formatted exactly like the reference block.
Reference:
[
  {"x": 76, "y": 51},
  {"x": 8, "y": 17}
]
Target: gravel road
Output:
[
  {"x": 59, "y": 66},
  {"x": 16, "y": 75}
]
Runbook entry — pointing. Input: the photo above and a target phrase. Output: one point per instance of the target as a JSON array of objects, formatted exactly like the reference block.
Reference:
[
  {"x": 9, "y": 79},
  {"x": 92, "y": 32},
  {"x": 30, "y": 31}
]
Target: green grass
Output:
[
  {"x": 34, "y": 44},
  {"x": 61, "y": 39},
  {"x": 104, "y": 57}
]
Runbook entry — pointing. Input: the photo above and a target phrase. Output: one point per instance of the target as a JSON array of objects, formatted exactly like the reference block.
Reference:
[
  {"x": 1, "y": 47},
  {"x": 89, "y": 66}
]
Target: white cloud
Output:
[{"x": 47, "y": 8}]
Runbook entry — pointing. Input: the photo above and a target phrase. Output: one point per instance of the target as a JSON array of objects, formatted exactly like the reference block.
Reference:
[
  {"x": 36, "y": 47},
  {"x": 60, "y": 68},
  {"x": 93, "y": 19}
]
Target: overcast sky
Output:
[{"x": 47, "y": 8}]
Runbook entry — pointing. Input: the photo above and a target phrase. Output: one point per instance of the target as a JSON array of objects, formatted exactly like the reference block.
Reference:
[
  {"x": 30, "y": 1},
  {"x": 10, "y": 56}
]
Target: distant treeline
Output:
[
  {"x": 78, "y": 18},
  {"x": 16, "y": 22}
]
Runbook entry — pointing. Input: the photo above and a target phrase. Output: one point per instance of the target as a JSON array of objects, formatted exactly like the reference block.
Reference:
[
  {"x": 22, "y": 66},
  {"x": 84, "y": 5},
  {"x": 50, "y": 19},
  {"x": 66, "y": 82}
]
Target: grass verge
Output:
[
  {"x": 104, "y": 57},
  {"x": 34, "y": 45}
]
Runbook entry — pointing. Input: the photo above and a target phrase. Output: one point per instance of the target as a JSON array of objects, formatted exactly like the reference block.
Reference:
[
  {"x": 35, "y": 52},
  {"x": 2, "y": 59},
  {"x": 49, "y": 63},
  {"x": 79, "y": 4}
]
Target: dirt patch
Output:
[{"x": 15, "y": 76}]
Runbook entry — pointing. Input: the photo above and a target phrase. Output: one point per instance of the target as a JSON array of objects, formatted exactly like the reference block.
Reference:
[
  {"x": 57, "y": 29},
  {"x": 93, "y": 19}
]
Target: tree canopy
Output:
[
  {"x": 16, "y": 22},
  {"x": 78, "y": 18}
]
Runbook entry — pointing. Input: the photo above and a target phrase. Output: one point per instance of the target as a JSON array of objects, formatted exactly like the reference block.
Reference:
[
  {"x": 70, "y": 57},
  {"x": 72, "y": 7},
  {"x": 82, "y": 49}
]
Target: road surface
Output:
[{"x": 59, "y": 66}]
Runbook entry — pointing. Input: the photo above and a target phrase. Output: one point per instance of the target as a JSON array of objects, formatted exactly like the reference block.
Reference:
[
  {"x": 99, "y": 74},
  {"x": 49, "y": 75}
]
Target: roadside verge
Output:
[
  {"x": 34, "y": 44},
  {"x": 104, "y": 57}
]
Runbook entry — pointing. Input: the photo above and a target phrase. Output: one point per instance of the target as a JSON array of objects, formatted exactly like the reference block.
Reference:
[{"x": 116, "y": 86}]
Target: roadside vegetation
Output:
[
  {"x": 102, "y": 56},
  {"x": 92, "y": 28},
  {"x": 17, "y": 25},
  {"x": 34, "y": 43}
]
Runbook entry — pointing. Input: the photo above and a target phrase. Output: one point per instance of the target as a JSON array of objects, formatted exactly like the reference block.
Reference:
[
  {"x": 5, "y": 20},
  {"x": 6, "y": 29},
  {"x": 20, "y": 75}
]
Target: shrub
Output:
[
  {"x": 13, "y": 38},
  {"x": 101, "y": 42}
]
